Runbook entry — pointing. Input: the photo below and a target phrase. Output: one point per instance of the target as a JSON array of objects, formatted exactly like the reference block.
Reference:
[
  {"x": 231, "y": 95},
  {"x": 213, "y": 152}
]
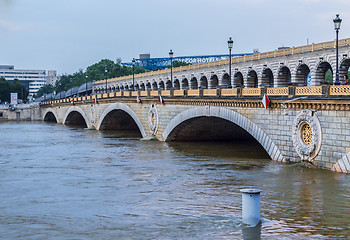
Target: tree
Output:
[
  {"x": 329, "y": 76},
  {"x": 179, "y": 64},
  {"x": 7, "y": 87},
  {"x": 20, "y": 89},
  {"x": 5, "y": 90},
  {"x": 96, "y": 72},
  {"x": 47, "y": 88}
]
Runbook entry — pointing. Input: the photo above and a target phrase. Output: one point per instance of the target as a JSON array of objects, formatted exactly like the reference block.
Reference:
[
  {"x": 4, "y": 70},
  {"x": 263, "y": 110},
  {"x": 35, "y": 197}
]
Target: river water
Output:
[{"x": 59, "y": 182}]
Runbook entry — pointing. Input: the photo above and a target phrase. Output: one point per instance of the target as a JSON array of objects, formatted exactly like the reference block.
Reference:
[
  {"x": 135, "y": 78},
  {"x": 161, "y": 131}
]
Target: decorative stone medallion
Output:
[
  {"x": 307, "y": 135},
  {"x": 153, "y": 119}
]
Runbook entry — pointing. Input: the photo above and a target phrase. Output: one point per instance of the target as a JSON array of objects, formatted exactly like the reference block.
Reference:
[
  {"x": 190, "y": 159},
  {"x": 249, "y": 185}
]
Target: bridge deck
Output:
[{"x": 221, "y": 95}]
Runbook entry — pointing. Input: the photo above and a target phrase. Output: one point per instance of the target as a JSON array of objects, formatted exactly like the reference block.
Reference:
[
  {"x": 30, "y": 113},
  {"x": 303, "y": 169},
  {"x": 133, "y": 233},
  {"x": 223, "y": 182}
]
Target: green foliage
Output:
[
  {"x": 103, "y": 69},
  {"x": 7, "y": 87},
  {"x": 5, "y": 90},
  {"x": 179, "y": 64},
  {"x": 47, "y": 88},
  {"x": 20, "y": 89},
  {"x": 329, "y": 76}
]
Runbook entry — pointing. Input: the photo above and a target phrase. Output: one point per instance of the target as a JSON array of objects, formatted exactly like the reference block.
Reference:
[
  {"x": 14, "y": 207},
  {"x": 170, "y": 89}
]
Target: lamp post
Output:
[
  {"x": 230, "y": 45},
  {"x": 106, "y": 77},
  {"x": 133, "y": 74},
  {"x": 86, "y": 85},
  {"x": 171, "y": 55},
  {"x": 337, "y": 22}
]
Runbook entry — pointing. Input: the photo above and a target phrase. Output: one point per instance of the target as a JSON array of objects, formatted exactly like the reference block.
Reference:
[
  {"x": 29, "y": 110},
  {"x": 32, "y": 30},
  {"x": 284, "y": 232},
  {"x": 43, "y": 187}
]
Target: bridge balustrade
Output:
[
  {"x": 210, "y": 92},
  {"x": 194, "y": 92},
  {"x": 308, "y": 91},
  {"x": 143, "y": 93},
  {"x": 278, "y": 91},
  {"x": 229, "y": 92},
  {"x": 154, "y": 93},
  {"x": 251, "y": 92},
  {"x": 165, "y": 93},
  {"x": 324, "y": 91},
  {"x": 179, "y": 93},
  {"x": 339, "y": 90}
]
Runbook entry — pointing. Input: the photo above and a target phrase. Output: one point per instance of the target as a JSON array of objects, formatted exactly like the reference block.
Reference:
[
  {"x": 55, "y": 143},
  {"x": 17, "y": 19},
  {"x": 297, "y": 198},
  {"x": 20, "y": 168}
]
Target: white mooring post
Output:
[{"x": 251, "y": 206}]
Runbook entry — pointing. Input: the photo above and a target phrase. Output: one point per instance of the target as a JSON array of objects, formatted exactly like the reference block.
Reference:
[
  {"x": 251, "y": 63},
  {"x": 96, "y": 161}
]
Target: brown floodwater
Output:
[{"x": 59, "y": 182}]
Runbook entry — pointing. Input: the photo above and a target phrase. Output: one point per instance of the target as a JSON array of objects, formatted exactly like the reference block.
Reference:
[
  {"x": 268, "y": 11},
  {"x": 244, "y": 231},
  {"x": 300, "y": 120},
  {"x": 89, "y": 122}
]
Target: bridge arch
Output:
[
  {"x": 154, "y": 86},
  {"x": 184, "y": 83},
  {"x": 302, "y": 74},
  {"x": 76, "y": 116},
  {"x": 168, "y": 85},
  {"x": 214, "y": 82},
  {"x": 238, "y": 79},
  {"x": 284, "y": 77},
  {"x": 203, "y": 82},
  {"x": 176, "y": 84},
  {"x": 194, "y": 83},
  {"x": 252, "y": 79},
  {"x": 125, "y": 108},
  {"x": 142, "y": 87},
  {"x": 267, "y": 77},
  {"x": 225, "y": 81},
  {"x": 231, "y": 116},
  {"x": 321, "y": 71},
  {"x": 161, "y": 85},
  {"x": 50, "y": 115}
]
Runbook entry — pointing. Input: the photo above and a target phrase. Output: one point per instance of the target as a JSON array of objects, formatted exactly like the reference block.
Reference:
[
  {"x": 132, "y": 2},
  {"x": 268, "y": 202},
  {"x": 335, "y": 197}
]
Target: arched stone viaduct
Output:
[
  {"x": 278, "y": 68},
  {"x": 286, "y": 132}
]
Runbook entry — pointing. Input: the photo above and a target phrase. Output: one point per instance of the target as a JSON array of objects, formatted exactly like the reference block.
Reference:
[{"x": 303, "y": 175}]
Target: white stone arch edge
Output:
[
  {"x": 232, "y": 116},
  {"x": 53, "y": 112},
  {"x": 79, "y": 110},
  {"x": 125, "y": 108},
  {"x": 343, "y": 164}
]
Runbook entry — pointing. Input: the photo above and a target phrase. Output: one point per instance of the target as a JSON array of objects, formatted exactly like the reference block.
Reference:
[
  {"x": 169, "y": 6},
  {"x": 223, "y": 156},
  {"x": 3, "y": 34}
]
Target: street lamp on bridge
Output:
[
  {"x": 133, "y": 74},
  {"x": 106, "y": 77},
  {"x": 230, "y": 45},
  {"x": 86, "y": 80},
  {"x": 171, "y": 55},
  {"x": 337, "y": 21}
]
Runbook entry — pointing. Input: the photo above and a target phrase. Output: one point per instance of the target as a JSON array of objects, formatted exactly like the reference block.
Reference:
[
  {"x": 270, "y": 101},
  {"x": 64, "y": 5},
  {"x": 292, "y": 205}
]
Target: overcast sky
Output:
[{"x": 68, "y": 35}]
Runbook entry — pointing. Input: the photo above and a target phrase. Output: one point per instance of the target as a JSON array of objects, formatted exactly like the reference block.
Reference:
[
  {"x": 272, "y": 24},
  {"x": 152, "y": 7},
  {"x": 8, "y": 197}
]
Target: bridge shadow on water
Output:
[
  {"x": 219, "y": 139},
  {"x": 230, "y": 155}
]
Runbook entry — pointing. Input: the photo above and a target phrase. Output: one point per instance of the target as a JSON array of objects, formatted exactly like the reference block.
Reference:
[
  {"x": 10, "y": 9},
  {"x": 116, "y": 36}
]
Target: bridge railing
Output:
[{"x": 323, "y": 91}]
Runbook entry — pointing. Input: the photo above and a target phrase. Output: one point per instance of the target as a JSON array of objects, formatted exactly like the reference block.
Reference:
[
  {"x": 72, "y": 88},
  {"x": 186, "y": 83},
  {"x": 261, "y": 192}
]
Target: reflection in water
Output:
[
  {"x": 252, "y": 233},
  {"x": 70, "y": 183}
]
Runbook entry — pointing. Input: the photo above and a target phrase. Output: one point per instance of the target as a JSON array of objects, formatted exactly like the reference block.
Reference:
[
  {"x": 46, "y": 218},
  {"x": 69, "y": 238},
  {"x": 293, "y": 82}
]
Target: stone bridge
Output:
[
  {"x": 291, "y": 130},
  {"x": 302, "y": 123}
]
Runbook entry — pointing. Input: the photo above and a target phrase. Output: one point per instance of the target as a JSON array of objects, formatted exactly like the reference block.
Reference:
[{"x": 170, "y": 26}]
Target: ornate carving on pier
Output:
[
  {"x": 153, "y": 119},
  {"x": 307, "y": 135}
]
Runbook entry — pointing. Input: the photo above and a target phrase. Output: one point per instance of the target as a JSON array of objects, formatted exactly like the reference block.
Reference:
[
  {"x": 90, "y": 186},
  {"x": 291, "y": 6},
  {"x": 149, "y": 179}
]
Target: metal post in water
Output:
[{"x": 251, "y": 206}]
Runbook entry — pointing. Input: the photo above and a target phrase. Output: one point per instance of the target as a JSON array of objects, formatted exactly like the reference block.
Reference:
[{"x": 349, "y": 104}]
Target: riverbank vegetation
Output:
[{"x": 8, "y": 87}]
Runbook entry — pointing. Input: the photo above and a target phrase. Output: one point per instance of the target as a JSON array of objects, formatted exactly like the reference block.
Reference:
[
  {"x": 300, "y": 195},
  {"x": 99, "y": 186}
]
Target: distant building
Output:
[
  {"x": 144, "y": 55},
  {"x": 33, "y": 80},
  {"x": 51, "y": 77}
]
